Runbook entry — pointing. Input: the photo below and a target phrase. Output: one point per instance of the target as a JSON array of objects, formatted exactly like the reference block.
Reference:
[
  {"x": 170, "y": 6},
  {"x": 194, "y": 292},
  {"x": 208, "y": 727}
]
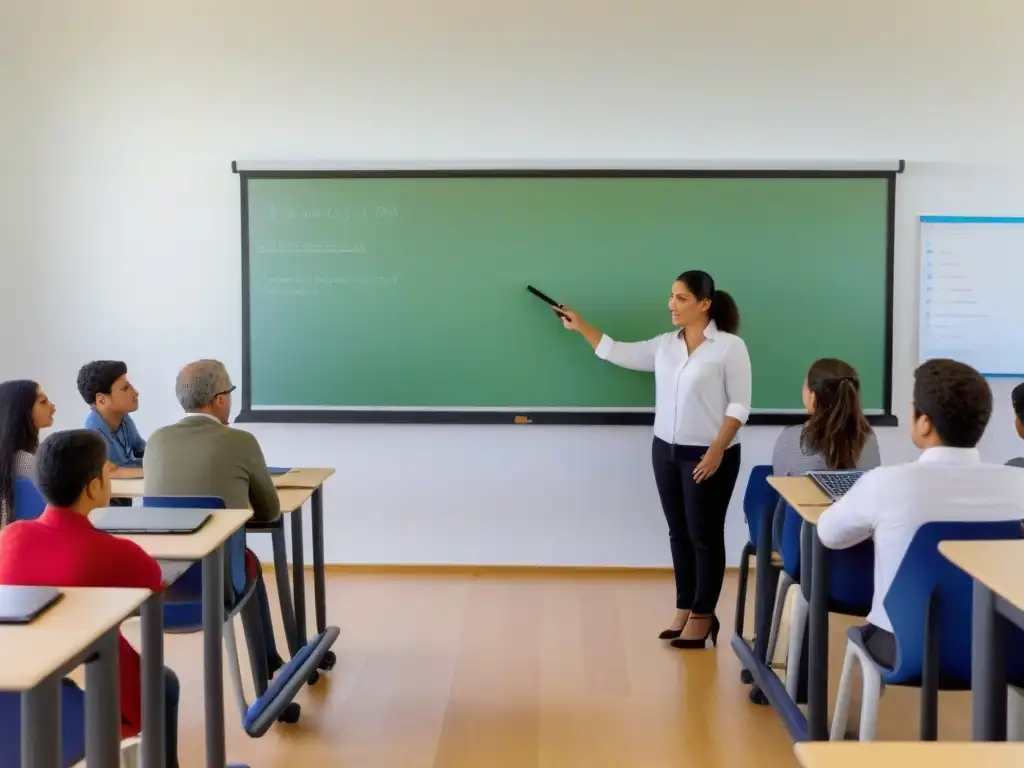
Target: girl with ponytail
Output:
[{"x": 836, "y": 434}]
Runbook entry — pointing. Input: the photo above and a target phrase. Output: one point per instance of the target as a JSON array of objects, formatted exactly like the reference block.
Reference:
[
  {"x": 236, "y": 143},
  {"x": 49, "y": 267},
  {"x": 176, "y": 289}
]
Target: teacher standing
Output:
[{"x": 702, "y": 398}]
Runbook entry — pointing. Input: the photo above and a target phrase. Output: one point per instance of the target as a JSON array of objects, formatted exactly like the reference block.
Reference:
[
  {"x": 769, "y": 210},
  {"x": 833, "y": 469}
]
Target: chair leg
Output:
[
  {"x": 785, "y": 582},
  {"x": 234, "y": 667},
  {"x": 871, "y": 696},
  {"x": 741, "y": 591},
  {"x": 841, "y": 717},
  {"x": 798, "y": 625}
]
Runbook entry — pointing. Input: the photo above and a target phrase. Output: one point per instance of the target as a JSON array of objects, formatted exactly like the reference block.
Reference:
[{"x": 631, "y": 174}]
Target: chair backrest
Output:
[
  {"x": 851, "y": 572},
  {"x": 234, "y": 547},
  {"x": 925, "y": 580},
  {"x": 28, "y": 502},
  {"x": 759, "y": 499}
]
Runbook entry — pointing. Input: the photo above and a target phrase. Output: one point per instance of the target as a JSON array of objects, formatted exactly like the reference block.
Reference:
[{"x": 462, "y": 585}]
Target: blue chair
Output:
[
  {"x": 72, "y": 726},
  {"x": 28, "y": 502},
  {"x": 183, "y": 614},
  {"x": 929, "y": 603},
  {"x": 851, "y": 586},
  {"x": 759, "y": 500}
]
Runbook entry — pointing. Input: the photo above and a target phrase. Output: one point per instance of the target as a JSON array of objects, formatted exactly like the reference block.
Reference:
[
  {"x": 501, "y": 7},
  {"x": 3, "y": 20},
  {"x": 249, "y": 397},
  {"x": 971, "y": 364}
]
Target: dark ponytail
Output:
[
  {"x": 837, "y": 429},
  {"x": 723, "y": 310}
]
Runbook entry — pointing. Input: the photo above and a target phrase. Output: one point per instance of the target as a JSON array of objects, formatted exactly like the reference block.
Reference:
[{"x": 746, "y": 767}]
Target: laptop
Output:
[
  {"x": 836, "y": 482},
  {"x": 155, "y": 520},
  {"x": 21, "y": 605}
]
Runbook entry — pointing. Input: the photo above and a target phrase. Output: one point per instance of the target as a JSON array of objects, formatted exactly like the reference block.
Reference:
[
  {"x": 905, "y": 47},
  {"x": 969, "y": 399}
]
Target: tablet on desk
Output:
[
  {"x": 279, "y": 470},
  {"x": 151, "y": 520},
  {"x": 21, "y": 605}
]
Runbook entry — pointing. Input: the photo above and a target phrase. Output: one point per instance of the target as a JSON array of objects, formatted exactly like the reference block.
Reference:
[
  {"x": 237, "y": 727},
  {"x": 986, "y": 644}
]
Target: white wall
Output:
[{"x": 119, "y": 232}]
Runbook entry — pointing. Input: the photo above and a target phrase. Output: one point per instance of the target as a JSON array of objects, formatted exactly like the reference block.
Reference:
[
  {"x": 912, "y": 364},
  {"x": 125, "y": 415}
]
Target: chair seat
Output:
[
  {"x": 287, "y": 681},
  {"x": 72, "y": 722}
]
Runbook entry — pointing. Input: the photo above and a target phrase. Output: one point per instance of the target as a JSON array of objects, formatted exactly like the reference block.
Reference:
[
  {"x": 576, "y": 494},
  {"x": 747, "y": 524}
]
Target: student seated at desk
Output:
[
  {"x": 24, "y": 410},
  {"x": 836, "y": 435},
  {"x": 202, "y": 456},
  {"x": 104, "y": 386},
  {"x": 951, "y": 407},
  {"x": 62, "y": 549}
]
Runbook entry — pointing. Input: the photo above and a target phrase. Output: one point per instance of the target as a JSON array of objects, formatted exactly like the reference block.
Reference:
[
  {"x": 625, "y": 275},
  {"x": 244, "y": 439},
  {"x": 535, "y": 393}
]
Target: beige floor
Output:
[{"x": 510, "y": 671}]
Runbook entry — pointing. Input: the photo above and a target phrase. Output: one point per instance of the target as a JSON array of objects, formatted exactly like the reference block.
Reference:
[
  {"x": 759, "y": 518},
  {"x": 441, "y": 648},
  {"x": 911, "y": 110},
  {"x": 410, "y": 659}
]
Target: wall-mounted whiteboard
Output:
[{"x": 972, "y": 292}]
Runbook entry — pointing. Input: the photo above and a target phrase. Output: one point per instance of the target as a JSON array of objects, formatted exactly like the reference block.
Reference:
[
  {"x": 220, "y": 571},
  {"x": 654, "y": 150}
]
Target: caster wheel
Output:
[
  {"x": 328, "y": 661},
  {"x": 745, "y": 677},
  {"x": 314, "y": 678},
  {"x": 757, "y": 697},
  {"x": 290, "y": 714}
]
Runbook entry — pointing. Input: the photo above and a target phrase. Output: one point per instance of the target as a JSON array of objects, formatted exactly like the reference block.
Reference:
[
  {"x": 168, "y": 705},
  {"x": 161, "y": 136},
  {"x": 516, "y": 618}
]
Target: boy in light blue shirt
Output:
[{"x": 104, "y": 386}]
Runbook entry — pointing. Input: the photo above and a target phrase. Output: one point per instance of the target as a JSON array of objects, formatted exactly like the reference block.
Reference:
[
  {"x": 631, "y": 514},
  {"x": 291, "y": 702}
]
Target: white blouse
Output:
[{"x": 693, "y": 393}]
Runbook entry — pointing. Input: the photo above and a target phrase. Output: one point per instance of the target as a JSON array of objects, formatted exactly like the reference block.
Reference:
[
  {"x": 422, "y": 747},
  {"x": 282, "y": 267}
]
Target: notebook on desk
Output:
[
  {"x": 21, "y": 605},
  {"x": 152, "y": 520}
]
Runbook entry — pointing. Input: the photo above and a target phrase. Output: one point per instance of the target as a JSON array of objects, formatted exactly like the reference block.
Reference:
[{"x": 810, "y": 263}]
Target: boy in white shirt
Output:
[{"x": 952, "y": 404}]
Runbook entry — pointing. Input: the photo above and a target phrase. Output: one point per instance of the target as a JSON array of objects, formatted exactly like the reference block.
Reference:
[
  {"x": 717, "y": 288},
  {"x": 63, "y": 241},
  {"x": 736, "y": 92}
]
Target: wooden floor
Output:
[{"x": 510, "y": 671}]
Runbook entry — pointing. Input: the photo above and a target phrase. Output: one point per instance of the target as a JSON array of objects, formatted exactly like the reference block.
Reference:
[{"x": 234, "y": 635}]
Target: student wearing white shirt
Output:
[
  {"x": 952, "y": 404},
  {"x": 702, "y": 398}
]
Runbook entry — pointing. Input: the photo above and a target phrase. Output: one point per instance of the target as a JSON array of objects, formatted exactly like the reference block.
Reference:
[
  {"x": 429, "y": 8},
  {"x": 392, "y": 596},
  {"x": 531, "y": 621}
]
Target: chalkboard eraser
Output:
[{"x": 523, "y": 420}]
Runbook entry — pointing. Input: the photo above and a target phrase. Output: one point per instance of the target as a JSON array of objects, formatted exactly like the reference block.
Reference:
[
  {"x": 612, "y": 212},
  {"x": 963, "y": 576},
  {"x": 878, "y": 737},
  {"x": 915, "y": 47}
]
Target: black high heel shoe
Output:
[
  {"x": 700, "y": 642},
  {"x": 670, "y": 634}
]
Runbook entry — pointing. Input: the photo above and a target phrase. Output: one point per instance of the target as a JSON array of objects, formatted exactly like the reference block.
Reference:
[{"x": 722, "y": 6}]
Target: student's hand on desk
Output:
[{"x": 708, "y": 465}]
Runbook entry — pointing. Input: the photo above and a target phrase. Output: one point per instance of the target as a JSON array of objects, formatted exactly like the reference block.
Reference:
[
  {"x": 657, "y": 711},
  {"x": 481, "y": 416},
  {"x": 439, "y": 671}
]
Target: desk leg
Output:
[
  {"x": 319, "y": 578},
  {"x": 765, "y": 585},
  {"x": 988, "y": 668},
  {"x": 40, "y": 725},
  {"x": 153, "y": 699},
  {"x": 298, "y": 577},
  {"x": 284, "y": 588},
  {"x": 817, "y": 644},
  {"x": 103, "y": 704},
  {"x": 213, "y": 666}
]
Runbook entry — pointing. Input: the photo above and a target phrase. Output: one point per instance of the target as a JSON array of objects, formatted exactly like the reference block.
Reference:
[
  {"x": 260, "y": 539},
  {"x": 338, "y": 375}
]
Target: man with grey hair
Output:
[{"x": 202, "y": 456}]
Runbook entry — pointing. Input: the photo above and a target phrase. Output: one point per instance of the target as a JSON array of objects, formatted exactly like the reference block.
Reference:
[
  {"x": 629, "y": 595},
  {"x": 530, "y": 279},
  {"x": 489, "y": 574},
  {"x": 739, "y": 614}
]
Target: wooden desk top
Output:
[
  {"x": 803, "y": 495},
  {"x": 996, "y": 564},
  {"x": 192, "y": 546},
  {"x": 32, "y": 652},
  {"x": 294, "y": 488},
  {"x": 293, "y": 498},
  {"x": 303, "y": 477},
  {"x": 895, "y": 754}
]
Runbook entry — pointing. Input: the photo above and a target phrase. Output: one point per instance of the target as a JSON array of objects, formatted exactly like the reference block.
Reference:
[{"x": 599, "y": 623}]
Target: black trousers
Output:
[{"x": 696, "y": 520}]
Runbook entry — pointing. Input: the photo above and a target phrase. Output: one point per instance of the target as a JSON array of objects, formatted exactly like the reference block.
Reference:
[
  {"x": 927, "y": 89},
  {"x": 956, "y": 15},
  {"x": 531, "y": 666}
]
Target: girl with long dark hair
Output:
[{"x": 24, "y": 410}]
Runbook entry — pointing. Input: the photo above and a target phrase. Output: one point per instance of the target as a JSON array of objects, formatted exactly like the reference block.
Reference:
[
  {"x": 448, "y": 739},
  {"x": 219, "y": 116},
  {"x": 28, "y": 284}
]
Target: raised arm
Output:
[{"x": 636, "y": 355}]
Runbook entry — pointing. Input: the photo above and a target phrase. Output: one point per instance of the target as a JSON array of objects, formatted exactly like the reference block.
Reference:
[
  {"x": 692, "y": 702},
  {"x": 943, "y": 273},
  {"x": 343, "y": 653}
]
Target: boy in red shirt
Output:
[{"x": 61, "y": 548}]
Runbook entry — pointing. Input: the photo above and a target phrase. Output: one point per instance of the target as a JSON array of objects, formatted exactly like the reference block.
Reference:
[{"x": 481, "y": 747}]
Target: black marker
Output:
[{"x": 544, "y": 297}]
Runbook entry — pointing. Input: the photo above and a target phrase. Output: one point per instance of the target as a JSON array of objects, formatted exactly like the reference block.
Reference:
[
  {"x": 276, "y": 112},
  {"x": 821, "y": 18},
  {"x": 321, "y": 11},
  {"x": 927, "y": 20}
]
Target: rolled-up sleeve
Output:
[
  {"x": 635, "y": 355},
  {"x": 738, "y": 381}
]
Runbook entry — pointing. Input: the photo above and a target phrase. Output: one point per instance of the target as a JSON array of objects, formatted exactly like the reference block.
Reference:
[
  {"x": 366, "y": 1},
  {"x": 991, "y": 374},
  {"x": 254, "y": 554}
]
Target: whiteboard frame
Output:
[
  {"x": 936, "y": 218},
  {"x": 625, "y": 416}
]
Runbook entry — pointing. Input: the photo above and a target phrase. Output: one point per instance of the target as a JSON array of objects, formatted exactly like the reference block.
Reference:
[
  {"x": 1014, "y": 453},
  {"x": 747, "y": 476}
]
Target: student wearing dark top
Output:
[
  {"x": 24, "y": 410},
  {"x": 62, "y": 549}
]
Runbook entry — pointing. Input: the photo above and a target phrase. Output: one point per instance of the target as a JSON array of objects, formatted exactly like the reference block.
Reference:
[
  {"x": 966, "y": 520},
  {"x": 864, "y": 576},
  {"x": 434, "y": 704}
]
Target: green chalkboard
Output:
[{"x": 403, "y": 297}]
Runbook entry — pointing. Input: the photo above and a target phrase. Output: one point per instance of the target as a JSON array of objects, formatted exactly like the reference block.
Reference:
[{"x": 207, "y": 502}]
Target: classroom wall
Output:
[{"x": 119, "y": 213}]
